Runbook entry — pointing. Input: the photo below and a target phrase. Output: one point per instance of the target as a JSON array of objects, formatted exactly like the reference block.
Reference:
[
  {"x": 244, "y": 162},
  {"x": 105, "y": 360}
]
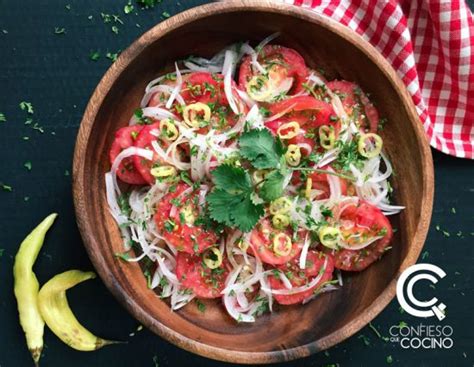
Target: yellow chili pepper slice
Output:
[
  {"x": 163, "y": 171},
  {"x": 281, "y": 205},
  {"x": 293, "y": 129},
  {"x": 197, "y": 113},
  {"x": 293, "y": 155},
  {"x": 213, "y": 258},
  {"x": 282, "y": 244},
  {"x": 169, "y": 130},
  {"x": 329, "y": 236},
  {"x": 243, "y": 245},
  {"x": 259, "y": 175},
  {"x": 370, "y": 145},
  {"x": 327, "y": 137},
  {"x": 259, "y": 88},
  {"x": 280, "y": 221},
  {"x": 187, "y": 213},
  {"x": 309, "y": 186}
]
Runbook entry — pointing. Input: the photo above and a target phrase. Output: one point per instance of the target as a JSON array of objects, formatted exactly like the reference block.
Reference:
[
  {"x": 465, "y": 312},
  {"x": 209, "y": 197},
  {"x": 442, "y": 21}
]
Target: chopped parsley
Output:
[
  {"x": 112, "y": 56},
  {"x": 165, "y": 14},
  {"x": 2, "y": 117},
  {"x": 148, "y": 3},
  {"x": 58, "y": 30},
  {"x": 122, "y": 255},
  {"x": 27, "y": 106},
  {"x": 201, "y": 306},
  {"x": 28, "y": 165},
  {"x": 94, "y": 55},
  {"x": 6, "y": 187},
  {"x": 128, "y": 8}
]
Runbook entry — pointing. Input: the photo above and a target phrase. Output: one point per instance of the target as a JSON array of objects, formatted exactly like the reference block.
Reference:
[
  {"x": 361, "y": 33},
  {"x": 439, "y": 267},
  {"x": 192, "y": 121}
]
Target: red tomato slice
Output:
[
  {"x": 370, "y": 221},
  {"x": 282, "y": 62},
  {"x": 186, "y": 237},
  {"x": 144, "y": 140},
  {"x": 299, "y": 277},
  {"x": 209, "y": 89},
  {"x": 193, "y": 274},
  {"x": 261, "y": 241},
  {"x": 320, "y": 182},
  {"x": 125, "y": 138},
  {"x": 308, "y": 111},
  {"x": 352, "y": 97}
]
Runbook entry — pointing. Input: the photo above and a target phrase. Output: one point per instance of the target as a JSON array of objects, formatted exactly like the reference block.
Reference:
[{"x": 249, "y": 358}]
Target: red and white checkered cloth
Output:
[{"x": 430, "y": 43}]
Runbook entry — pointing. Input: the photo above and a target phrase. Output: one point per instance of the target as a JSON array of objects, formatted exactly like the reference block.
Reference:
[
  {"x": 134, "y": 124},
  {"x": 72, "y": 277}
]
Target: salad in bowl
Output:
[{"x": 251, "y": 178}]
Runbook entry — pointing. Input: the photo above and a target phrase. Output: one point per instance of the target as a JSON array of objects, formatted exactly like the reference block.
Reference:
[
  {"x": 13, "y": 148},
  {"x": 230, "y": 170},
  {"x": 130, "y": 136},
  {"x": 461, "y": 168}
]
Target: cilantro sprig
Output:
[
  {"x": 231, "y": 202},
  {"x": 261, "y": 149}
]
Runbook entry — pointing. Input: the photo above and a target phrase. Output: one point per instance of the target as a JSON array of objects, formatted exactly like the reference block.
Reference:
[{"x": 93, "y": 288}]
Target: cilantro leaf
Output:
[
  {"x": 247, "y": 214},
  {"x": 272, "y": 187},
  {"x": 232, "y": 178},
  {"x": 261, "y": 148},
  {"x": 230, "y": 202}
]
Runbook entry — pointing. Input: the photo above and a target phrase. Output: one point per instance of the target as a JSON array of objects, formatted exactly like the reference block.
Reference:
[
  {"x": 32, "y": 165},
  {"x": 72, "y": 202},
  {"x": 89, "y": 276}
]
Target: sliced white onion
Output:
[{"x": 176, "y": 89}]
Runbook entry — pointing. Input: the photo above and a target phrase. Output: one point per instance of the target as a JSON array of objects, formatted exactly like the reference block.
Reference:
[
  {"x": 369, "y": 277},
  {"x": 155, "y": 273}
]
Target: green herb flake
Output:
[
  {"x": 2, "y": 117},
  {"x": 68, "y": 7},
  {"x": 389, "y": 359},
  {"x": 66, "y": 173},
  {"x": 28, "y": 165},
  {"x": 155, "y": 361},
  {"x": 201, "y": 306},
  {"x": 27, "y": 106},
  {"x": 59, "y": 30},
  {"x": 94, "y": 55},
  {"x": 148, "y": 3},
  {"x": 165, "y": 14},
  {"x": 112, "y": 56},
  {"x": 453, "y": 210},
  {"x": 115, "y": 29},
  {"x": 122, "y": 256},
  {"x": 1, "y": 251},
  {"x": 26, "y": 198},
  {"x": 6, "y": 187},
  {"x": 128, "y": 8}
]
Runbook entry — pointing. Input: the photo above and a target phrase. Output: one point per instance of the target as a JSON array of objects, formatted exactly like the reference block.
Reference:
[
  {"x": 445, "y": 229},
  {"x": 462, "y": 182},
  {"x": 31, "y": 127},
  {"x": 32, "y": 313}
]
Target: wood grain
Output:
[{"x": 290, "y": 332}]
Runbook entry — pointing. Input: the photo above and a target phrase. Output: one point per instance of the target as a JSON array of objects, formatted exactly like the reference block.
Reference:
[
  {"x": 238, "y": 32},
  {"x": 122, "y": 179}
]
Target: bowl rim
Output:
[{"x": 98, "y": 258}]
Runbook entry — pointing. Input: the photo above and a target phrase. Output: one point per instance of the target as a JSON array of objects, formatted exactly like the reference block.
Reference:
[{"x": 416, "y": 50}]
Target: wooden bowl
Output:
[{"x": 290, "y": 332}]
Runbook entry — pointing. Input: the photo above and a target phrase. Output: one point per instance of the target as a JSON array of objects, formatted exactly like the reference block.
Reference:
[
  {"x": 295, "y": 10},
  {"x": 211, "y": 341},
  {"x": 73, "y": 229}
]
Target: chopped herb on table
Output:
[
  {"x": 389, "y": 359},
  {"x": 28, "y": 165},
  {"x": 94, "y": 55},
  {"x": 128, "y": 8},
  {"x": 2, "y": 117},
  {"x": 148, "y": 3},
  {"x": 58, "y": 30},
  {"x": 27, "y": 106},
  {"x": 112, "y": 56},
  {"x": 6, "y": 187}
]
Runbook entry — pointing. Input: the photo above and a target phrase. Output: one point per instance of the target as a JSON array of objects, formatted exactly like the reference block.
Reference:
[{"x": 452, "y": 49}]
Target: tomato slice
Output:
[
  {"x": 144, "y": 140},
  {"x": 281, "y": 62},
  {"x": 352, "y": 97},
  {"x": 319, "y": 181},
  {"x": 193, "y": 274},
  {"x": 125, "y": 138},
  {"x": 299, "y": 277},
  {"x": 208, "y": 88},
  {"x": 308, "y": 111},
  {"x": 261, "y": 242},
  {"x": 171, "y": 219},
  {"x": 371, "y": 222}
]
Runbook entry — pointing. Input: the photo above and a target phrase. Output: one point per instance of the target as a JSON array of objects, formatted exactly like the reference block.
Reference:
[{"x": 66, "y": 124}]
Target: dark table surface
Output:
[{"x": 56, "y": 74}]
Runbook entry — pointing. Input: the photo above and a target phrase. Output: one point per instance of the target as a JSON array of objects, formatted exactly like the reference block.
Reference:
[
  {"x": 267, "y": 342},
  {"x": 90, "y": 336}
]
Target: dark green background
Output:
[{"x": 55, "y": 73}]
